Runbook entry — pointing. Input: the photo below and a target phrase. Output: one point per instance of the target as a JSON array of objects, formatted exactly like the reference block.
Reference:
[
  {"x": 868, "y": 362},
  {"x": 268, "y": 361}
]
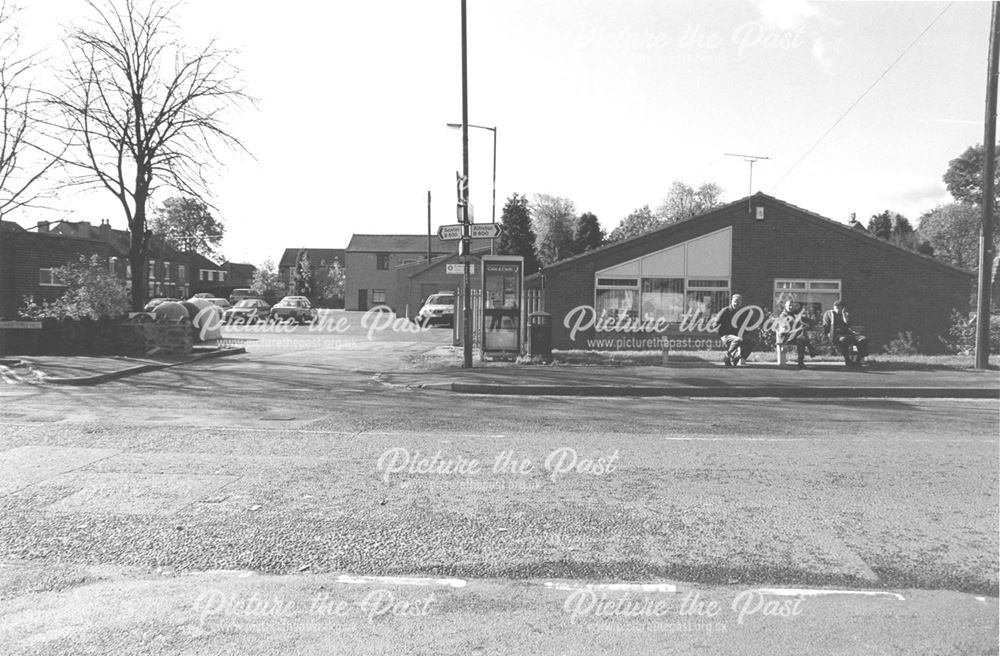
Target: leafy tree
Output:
[
  {"x": 587, "y": 234},
  {"x": 894, "y": 228},
  {"x": 964, "y": 177},
  {"x": 880, "y": 225},
  {"x": 517, "y": 237},
  {"x": 141, "y": 111},
  {"x": 636, "y": 223},
  {"x": 92, "y": 291},
  {"x": 684, "y": 202},
  {"x": 953, "y": 231},
  {"x": 302, "y": 278},
  {"x": 267, "y": 282},
  {"x": 553, "y": 219},
  {"x": 187, "y": 224},
  {"x": 329, "y": 281}
]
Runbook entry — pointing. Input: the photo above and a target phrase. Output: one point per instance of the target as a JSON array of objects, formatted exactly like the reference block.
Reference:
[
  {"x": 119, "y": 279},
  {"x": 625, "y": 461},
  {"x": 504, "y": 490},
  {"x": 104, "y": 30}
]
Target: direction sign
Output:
[
  {"x": 484, "y": 230},
  {"x": 459, "y": 269},
  {"x": 450, "y": 232}
]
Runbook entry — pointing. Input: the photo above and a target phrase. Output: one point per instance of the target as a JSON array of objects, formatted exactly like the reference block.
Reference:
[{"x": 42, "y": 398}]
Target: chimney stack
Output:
[{"x": 43, "y": 226}]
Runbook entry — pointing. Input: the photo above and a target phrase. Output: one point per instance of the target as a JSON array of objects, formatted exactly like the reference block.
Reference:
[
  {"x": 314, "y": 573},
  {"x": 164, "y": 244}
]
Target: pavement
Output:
[
  {"x": 93, "y": 370},
  {"x": 686, "y": 378}
]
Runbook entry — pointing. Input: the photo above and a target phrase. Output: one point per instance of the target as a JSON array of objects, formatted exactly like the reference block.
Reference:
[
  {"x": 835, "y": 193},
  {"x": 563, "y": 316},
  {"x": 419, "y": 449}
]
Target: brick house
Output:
[
  {"x": 763, "y": 248},
  {"x": 370, "y": 261},
  {"x": 167, "y": 269},
  {"x": 28, "y": 258}
]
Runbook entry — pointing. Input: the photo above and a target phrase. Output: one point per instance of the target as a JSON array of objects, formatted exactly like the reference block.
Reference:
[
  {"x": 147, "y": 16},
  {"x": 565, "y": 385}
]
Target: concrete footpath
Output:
[
  {"x": 823, "y": 380},
  {"x": 93, "y": 370}
]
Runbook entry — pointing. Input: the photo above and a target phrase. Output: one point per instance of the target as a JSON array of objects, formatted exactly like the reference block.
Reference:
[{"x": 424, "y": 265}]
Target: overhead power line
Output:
[{"x": 862, "y": 96}]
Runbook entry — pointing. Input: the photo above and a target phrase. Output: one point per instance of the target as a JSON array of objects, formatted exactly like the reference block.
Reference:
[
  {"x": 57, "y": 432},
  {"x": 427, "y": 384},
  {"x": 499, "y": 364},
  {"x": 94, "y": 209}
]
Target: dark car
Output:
[
  {"x": 249, "y": 310},
  {"x": 293, "y": 308}
]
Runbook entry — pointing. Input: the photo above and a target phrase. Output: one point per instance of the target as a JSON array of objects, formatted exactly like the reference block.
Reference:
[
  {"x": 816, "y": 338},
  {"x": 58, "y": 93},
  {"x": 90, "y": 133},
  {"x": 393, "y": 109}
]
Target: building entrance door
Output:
[{"x": 363, "y": 300}]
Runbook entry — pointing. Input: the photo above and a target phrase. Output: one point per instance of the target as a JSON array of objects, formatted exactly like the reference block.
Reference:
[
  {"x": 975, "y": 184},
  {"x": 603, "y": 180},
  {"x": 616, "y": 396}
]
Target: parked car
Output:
[
  {"x": 249, "y": 310},
  {"x": 201, "y": 295},
  {"x": 438, "y": 308},
  {"x": 221, "y": 302},
  {"x": 293, "y": 308},
  {"x": 241, "y": 293},
  {"x": 153, "y": 302}
]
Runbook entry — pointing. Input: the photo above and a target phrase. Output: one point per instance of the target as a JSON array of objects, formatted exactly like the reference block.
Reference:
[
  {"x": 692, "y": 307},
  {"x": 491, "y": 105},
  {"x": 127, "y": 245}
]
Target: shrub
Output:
[
  {"x": 904, "y": 344},
  {"x": 961, "y": 338},
  {"x": 91, "y": 292}
]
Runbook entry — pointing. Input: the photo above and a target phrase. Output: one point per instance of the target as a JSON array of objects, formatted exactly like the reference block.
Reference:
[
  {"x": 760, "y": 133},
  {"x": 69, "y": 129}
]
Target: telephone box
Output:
[{"x": 503, "y": 304}]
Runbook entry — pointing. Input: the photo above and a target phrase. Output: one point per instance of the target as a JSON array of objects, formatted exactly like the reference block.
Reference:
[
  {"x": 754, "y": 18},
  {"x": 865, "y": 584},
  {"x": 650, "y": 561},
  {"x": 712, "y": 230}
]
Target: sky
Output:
[{"x": 605, "y": 103}]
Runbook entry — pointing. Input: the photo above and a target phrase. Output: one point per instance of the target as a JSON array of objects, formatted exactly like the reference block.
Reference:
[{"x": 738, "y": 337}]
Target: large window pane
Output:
[
  {"x": 705, "y": 302},
  {"x": 662, "y": 298},
  {"x": 616, "y": 303}
]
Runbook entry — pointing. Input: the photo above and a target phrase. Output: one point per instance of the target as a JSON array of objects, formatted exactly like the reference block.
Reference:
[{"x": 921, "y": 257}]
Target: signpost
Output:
[
  {"x": 455, "y": 231},
  {"x": 484, "y": 230},
  {"x": 459, "y": 269},
  {"x": 450, "y": 232}
]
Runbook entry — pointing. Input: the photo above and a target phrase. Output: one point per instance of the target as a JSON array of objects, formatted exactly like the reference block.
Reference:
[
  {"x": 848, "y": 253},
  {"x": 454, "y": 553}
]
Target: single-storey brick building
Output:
[{"x": 667, "y": 283}]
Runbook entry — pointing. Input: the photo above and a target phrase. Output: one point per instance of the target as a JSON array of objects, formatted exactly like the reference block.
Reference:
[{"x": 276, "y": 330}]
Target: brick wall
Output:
[{"x": 887, "y": 290}]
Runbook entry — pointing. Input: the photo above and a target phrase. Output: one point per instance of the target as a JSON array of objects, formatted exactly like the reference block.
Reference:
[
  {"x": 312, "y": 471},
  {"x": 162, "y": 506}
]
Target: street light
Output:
[{"x": 494, "y": 131}]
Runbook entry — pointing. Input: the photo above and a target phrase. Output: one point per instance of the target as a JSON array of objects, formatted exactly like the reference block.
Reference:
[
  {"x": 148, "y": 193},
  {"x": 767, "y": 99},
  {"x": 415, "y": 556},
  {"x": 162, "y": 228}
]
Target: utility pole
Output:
[
  {"x": 751, "y": 159},
  {"x": 989, "y": 198},
  {"x": 429, "y": 247},
  {"x": 466, "y": 243}
]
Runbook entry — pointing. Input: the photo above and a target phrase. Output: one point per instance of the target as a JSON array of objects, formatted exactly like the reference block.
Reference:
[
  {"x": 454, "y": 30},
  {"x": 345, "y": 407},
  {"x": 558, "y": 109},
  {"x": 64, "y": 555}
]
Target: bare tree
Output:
[
  {"x": 141, "y": 111},
  {"x": 24, "y": 160}
]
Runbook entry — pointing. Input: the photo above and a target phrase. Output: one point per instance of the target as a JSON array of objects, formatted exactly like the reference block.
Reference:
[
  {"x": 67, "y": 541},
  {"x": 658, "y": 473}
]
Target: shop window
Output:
[
  {"x": 816, "y": 296},
  {"x": 378, "y": 296},
  {"x": 706, "y": 297},
  {"x": 47, "y": 278},
  {"x": 617, "y": 297},
  {"x": 662, "y": 298}
]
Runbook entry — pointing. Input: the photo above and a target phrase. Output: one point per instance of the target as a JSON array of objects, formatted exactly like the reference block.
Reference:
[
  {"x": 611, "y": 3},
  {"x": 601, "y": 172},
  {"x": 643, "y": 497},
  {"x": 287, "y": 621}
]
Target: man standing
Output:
[
  {"x": 738, "y": 346},
  {"x": 837, "y": 327}
]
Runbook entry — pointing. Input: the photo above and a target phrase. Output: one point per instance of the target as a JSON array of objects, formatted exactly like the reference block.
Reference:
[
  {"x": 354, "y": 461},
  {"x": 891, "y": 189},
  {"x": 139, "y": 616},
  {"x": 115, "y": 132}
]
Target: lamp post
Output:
[{"x": 494, "y": 131}]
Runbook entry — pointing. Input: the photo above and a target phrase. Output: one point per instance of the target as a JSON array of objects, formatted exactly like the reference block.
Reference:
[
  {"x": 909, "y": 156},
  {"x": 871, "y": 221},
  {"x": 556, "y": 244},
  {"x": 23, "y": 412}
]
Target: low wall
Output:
[{"x": 101, "y": 337}]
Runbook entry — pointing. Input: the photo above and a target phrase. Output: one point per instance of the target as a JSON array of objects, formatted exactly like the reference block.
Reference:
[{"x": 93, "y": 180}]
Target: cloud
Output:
[
  {"x": 798, "y": 15},
  {"x": 821, "y": 53},
  {"x": 786, "y": 14}
]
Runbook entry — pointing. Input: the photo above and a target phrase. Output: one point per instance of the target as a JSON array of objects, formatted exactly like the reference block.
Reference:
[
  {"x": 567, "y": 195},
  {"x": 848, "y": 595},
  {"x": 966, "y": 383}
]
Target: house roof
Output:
[
  {"x": 199, "y": 261},
  {"x": 407, "y": 244},
  {"x": 316, "y": 256},
  {"x": 416, "y": 268},
  {"x": 239, "y": 267},
  {"x": 806, "y": 215},
  {"x": 397, "y": 244}
]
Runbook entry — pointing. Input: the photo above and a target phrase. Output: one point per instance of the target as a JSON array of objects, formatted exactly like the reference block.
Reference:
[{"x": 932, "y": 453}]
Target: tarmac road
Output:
[{"x": 303, "y": 464}]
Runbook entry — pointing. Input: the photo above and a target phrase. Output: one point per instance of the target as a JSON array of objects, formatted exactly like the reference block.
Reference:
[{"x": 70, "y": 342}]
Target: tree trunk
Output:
[{"x": 137, "y": 251}]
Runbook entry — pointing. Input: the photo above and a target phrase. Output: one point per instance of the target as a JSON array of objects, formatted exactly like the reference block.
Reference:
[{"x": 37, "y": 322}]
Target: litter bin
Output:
[{"x": 540, "y": 335}]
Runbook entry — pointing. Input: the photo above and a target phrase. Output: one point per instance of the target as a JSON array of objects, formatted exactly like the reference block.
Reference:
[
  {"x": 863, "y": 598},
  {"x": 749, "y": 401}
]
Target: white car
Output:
[{"x": 438, "y": 308}]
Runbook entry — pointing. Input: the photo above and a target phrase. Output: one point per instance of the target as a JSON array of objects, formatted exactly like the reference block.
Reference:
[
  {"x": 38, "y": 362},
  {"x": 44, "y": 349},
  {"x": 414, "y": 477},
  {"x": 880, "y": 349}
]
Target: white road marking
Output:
[
  {"x": 808, "y": 592},
  {"x": 400, "y": 580},
  {"x": 614, "y": 587}
]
